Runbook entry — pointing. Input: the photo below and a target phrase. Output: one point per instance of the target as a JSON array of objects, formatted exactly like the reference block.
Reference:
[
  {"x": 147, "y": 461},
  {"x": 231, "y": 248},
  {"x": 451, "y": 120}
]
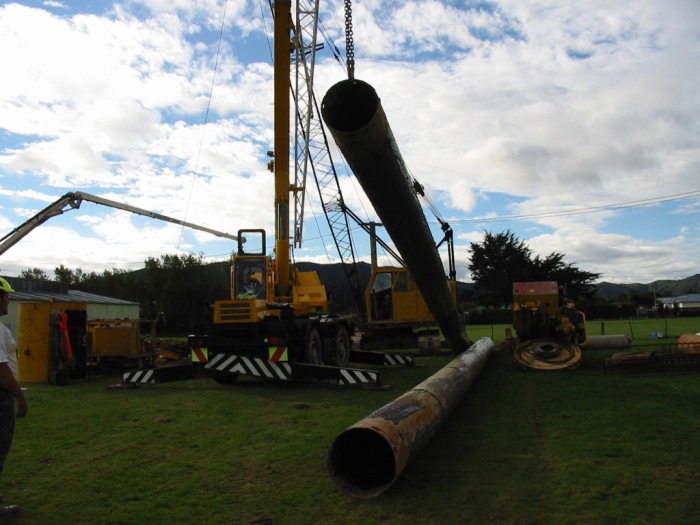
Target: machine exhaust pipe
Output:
[
  {"x": 354, "y": 116},
  {"x": 367, "y": 458}
]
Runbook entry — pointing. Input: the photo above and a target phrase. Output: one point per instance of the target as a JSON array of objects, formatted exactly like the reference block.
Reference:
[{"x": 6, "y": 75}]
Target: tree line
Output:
[
  {"x": 177, "y": 289},
  {"x": 502, "y": 259},
  {"x": 180, "y": 289}
]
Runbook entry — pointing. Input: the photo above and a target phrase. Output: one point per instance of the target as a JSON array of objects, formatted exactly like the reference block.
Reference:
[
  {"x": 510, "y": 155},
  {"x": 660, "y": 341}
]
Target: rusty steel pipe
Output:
[
  {"x": 368, "y": 457},
  {"x": 354, "y": 116}
]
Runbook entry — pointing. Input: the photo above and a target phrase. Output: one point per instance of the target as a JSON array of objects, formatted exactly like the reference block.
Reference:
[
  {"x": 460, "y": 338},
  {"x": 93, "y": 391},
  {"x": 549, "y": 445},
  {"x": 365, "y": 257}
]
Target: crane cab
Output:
[{"x": 251, "y": 272}]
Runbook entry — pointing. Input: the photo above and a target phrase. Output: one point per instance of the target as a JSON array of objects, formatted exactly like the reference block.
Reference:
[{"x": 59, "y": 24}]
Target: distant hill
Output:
[
  {"x": 662, "y": 288},
  {"x": 215, "y": 277},
  {"x": 185, "y": 296},
  {"x": 333, "y": 277}
]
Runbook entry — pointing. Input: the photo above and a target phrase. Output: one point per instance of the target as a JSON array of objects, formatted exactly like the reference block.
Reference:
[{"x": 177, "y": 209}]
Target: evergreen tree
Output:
[{"x": 502, "y": 259}]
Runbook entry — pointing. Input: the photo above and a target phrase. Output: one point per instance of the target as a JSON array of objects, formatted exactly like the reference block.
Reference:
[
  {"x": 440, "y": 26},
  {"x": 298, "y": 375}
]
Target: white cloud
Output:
[{"x": 507, "y": 107}]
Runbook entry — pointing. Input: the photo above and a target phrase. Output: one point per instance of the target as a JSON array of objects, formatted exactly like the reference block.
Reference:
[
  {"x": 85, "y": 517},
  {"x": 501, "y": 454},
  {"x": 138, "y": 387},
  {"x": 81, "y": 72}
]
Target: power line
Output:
[{"x": 584, "y": 210}]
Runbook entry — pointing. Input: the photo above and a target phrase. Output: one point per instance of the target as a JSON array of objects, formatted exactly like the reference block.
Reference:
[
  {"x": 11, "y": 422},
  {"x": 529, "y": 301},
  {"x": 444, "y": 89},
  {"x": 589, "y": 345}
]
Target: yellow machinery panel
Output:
[
  {"x": 35, "y": 341},
  {"x": 538, "y": 295},
  {"x": 114, "y": 338},
  {"x": 309, "y": 295},
  {"x": 392, "y": 295}
]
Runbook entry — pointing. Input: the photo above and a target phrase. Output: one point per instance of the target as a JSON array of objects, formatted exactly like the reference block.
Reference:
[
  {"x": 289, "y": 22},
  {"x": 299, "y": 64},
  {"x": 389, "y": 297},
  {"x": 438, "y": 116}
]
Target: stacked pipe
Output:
[{"x": 354, "y": 116}]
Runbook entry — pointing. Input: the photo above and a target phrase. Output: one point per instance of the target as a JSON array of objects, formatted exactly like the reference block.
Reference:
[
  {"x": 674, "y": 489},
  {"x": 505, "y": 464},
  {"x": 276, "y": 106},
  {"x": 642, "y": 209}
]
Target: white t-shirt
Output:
[{"x": 8, "y": 349}]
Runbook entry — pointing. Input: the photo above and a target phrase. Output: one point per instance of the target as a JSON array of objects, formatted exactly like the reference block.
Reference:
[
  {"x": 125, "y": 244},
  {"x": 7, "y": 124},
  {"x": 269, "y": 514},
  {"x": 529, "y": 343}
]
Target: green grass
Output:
[
  {"x": 637, "y": 328},
  {"x": 575, "y": 447}
]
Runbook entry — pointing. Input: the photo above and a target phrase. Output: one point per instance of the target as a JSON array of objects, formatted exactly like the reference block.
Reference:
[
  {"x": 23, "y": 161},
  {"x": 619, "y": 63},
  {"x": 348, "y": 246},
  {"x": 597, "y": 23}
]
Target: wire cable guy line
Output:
[{"x": 582, "y": 210}]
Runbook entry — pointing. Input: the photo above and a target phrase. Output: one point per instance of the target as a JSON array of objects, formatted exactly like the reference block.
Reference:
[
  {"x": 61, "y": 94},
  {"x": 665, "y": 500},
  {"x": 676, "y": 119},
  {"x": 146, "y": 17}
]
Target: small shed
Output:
[{"x": 50, "y": 324}]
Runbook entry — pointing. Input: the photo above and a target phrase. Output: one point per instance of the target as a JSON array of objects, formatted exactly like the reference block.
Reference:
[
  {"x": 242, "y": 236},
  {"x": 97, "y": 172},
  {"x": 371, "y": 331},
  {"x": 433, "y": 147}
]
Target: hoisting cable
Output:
[
  {"x": 264, "y": 23},
  {"x": 195, "y": 172},
  {"x": 349, "y": 43},
  {"x": 420, "y": 190},
  {"x": 444, "y": 225}
]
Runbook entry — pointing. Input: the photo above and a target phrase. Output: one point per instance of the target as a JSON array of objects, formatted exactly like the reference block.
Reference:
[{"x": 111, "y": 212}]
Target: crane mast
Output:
[
  {"x": 304, "y": 57},
  {"x": 282, "y": 20}
]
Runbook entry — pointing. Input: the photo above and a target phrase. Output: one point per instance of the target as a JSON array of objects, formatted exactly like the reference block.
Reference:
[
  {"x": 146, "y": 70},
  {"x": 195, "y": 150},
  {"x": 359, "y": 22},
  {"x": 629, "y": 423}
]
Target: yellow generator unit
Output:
[
  {"x": 120, "y": 341},
  {"x": 550, "y": 334}
]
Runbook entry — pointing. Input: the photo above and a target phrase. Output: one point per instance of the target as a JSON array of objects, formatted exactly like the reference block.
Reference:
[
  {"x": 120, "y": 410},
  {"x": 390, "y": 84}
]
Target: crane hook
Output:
[{"x": 349, "y": 43}]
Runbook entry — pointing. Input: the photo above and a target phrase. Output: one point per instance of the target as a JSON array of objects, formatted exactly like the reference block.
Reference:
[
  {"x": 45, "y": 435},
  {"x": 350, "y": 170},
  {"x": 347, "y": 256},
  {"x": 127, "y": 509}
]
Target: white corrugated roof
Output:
[
  {"x": 31, "y": 290},
  {"x": 70, "y": 296},
  {"x": 690, "y": 298}
]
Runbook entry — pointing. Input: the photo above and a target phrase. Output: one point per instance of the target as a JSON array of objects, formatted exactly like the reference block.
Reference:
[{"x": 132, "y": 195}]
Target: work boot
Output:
[{"x": 6, "y": 510}]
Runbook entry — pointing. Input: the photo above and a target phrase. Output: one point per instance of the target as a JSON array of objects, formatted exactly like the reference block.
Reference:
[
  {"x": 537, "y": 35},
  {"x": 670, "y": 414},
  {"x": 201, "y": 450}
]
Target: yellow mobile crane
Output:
[{"x": 276, "y": 323}]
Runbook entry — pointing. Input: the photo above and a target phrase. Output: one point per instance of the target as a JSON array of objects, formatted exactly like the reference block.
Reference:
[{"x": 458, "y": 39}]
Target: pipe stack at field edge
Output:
[
  {"x": 368, "y": 457},
  {"x": 596, "y": 342},
  {"x": 354, "y": 115}
]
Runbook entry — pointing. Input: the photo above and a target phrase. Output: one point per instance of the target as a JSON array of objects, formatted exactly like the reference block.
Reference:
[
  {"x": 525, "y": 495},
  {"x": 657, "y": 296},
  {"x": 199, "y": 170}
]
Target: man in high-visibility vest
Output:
[{"x": 10, "y": 390}]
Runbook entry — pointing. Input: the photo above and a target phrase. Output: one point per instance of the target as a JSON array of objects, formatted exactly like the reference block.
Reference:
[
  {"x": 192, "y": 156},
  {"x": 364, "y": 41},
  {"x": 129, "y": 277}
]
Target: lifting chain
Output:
[{"x": 349, "y": 43}]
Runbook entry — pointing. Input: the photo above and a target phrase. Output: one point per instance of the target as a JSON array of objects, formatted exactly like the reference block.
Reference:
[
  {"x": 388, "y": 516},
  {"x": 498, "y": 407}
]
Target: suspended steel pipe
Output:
[
  {"x": 355, "y": 118},
  {"x": 367, "y": 458}
]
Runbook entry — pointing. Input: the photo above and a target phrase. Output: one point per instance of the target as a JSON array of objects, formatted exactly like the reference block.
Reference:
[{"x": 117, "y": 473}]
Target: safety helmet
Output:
[{"x": 5, "y": 286}]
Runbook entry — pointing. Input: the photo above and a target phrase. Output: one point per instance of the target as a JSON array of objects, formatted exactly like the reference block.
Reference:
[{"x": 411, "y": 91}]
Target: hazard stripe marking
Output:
[
  {"x": 215, "y": 359},
  {"x": 140, "y": 376},
  {"x": 353, "y": 377},
  {"x": 397, "y": 359},
  {"x": 226, "y": 363},
  {"x": 250, "y": 366},
  {"x": 199, "y": 354},
  {"x": 278, "y": 353}
]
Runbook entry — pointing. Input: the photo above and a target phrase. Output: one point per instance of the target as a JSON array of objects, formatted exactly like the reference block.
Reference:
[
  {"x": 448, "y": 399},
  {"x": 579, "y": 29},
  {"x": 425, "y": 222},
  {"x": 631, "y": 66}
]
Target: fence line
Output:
[{"x": 656, "y": 328}]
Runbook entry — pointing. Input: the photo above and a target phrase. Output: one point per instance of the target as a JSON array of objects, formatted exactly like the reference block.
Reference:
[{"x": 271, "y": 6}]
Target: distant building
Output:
[{"x": 681, "y": 305}]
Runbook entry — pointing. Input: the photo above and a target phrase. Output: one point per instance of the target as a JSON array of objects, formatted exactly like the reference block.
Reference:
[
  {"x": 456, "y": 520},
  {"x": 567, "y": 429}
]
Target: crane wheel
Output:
[
  {"x": 341, "y": 349},
  {"x": 548, "y": 355},
  {"x": 313, "y": 353}
]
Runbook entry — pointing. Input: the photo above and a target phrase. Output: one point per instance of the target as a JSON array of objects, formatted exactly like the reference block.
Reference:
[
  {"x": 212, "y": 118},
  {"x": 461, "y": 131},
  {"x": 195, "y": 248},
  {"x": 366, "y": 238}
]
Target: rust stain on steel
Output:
[{"x": 368, "y": 457}]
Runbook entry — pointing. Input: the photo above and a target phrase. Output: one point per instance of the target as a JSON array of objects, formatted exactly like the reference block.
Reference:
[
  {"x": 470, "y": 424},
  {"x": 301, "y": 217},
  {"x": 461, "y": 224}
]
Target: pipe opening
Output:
[
  {"x": 362, "y": 462},
  {"x": 349, "y": 105}
]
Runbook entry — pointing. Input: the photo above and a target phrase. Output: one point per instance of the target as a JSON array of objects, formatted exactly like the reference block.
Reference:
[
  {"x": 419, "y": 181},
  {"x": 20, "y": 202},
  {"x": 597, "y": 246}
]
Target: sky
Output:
[{"x": 573, "y": 125}]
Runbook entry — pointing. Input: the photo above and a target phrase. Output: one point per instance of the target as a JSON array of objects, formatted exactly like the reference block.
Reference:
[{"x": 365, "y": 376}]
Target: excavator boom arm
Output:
[{"x": 73, "y": 200}]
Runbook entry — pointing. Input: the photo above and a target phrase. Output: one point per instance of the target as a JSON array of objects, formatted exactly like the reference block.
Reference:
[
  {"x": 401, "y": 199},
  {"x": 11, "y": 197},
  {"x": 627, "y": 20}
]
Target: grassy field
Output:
[
  {"x": 638, "y": 329},
  {"x": 578, "y": 447}
]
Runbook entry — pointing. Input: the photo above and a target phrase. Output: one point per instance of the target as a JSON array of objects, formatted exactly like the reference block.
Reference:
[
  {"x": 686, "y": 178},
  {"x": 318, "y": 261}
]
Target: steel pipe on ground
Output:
[
  {"x": 596, "y": 342},
  {"x": 354, "y": 116},
  {"x": 367, "y": 458},
  {"x": 689, "y": 342}
]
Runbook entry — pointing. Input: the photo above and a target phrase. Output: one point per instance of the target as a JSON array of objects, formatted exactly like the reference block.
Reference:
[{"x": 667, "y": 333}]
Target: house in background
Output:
[
  {"x": 51, "y": 326},
  {"x": 681, "y": 305}
]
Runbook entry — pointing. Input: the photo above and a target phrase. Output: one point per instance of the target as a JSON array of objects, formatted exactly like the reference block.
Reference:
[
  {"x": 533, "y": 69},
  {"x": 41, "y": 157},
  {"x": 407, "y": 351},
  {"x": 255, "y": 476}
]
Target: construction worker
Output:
[
  {"x": 9, "y": 388},
  {"x": 251, "y": 285}
]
